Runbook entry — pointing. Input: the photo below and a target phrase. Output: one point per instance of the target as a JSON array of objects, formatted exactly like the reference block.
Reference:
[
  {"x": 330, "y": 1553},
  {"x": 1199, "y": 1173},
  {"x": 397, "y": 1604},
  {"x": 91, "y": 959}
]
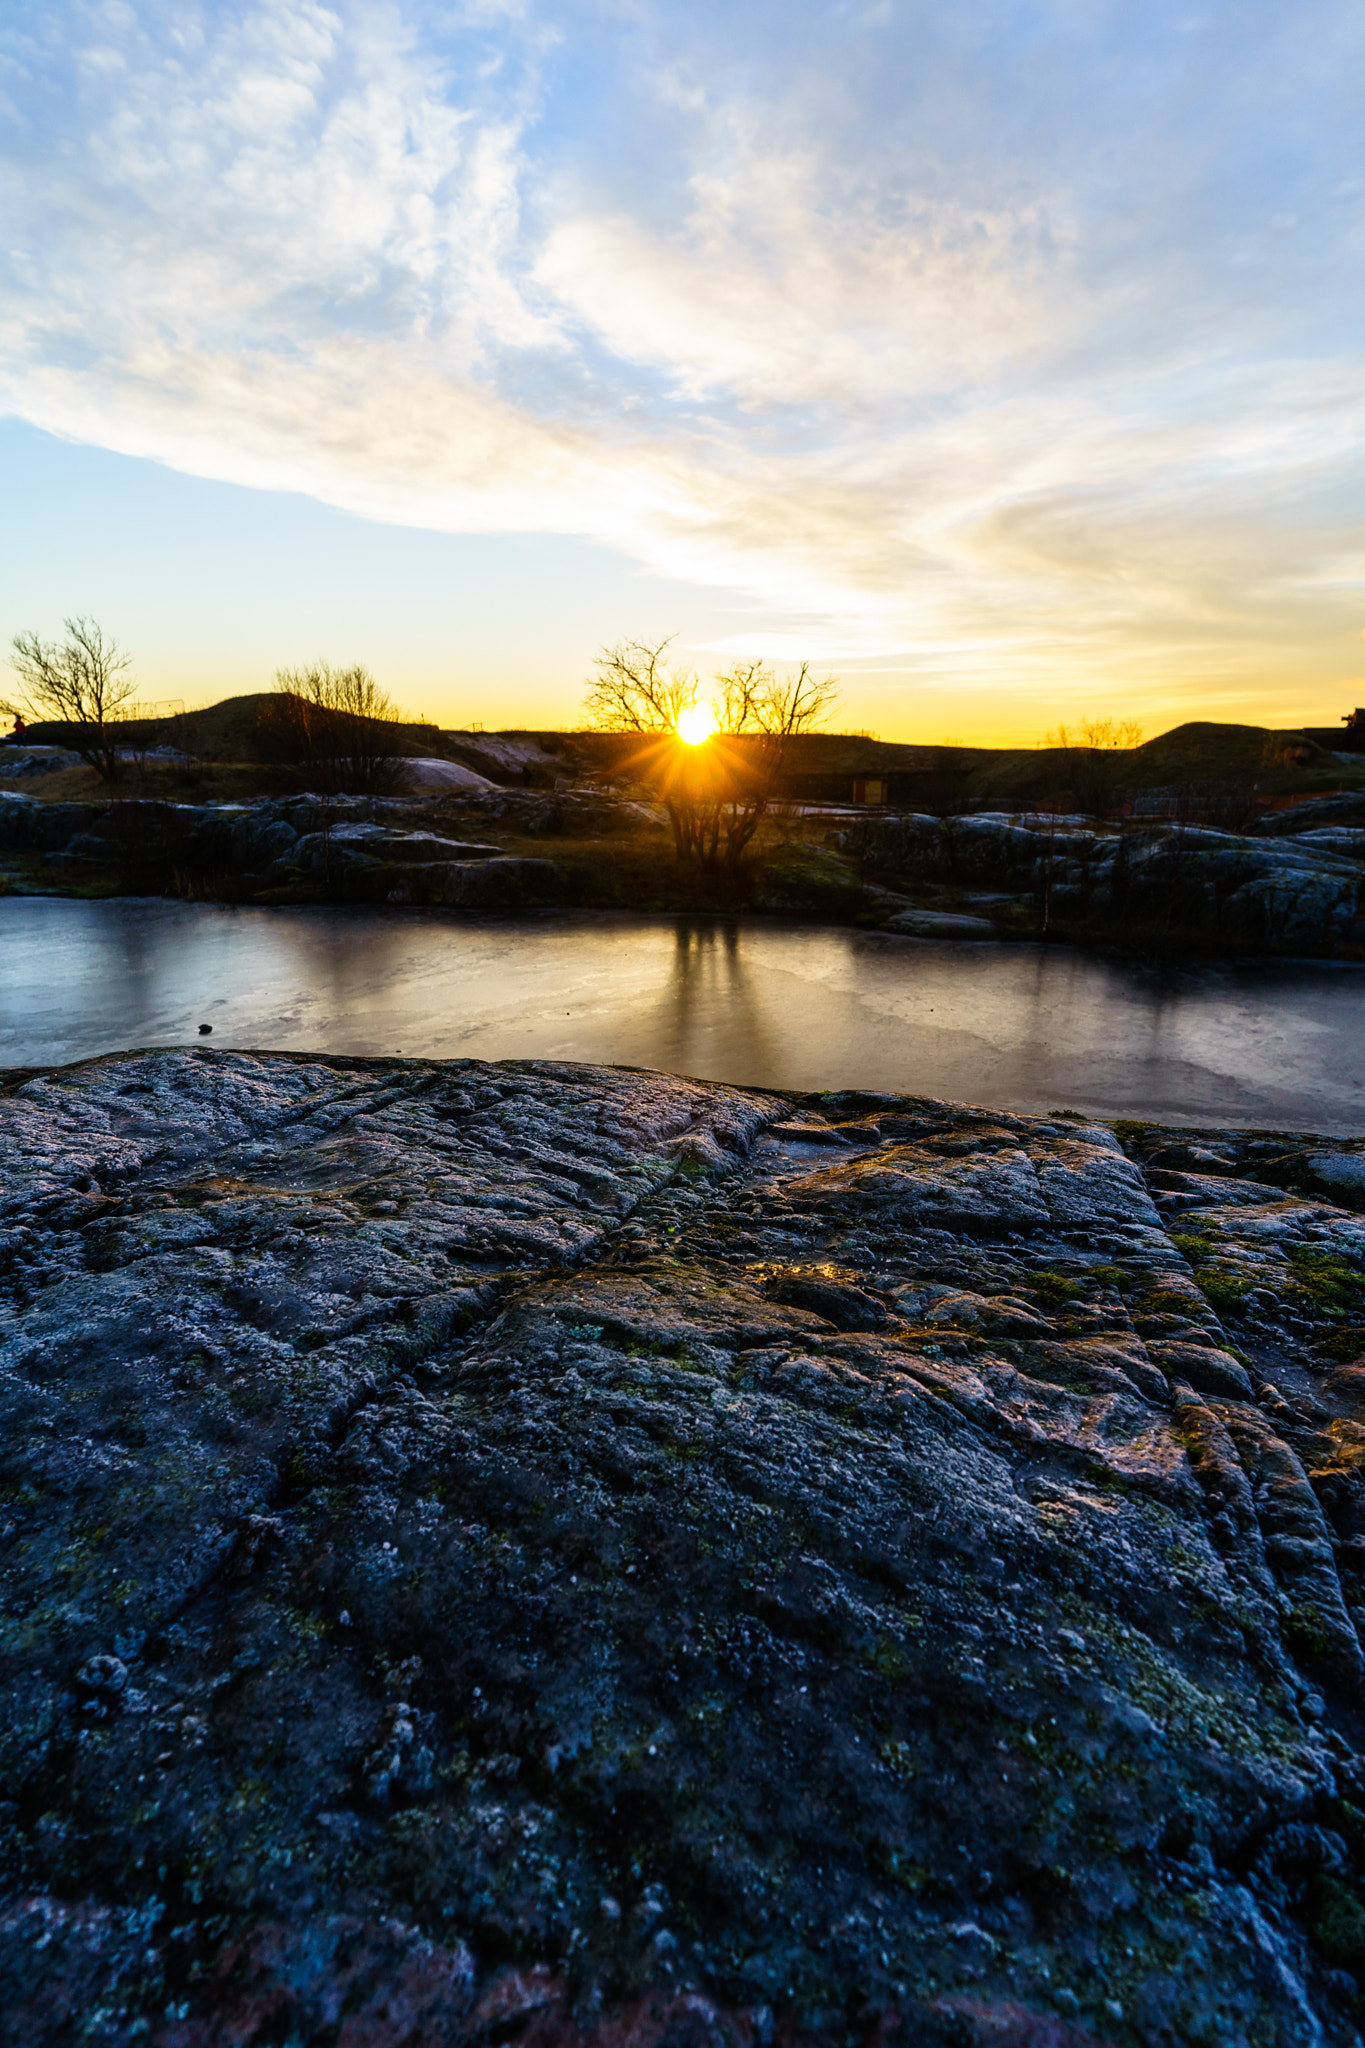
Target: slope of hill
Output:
[{"x": 823, "y": 767}]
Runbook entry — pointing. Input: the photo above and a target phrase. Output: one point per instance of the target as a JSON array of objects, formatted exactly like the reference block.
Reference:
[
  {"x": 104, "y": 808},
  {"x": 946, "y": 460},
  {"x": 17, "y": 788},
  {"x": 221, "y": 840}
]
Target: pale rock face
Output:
[
  {"x": 21, "y": 764},
  {"x": 423, "y": 774},
  {"x": 574, "y": 1555}
]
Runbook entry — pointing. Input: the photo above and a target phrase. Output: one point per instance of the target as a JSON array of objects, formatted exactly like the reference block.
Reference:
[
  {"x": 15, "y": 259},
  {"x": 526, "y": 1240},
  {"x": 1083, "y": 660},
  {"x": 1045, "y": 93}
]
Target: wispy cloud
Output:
[
  {"x": 1020, "y": 339},
  {"x": 768, "y": 296}
]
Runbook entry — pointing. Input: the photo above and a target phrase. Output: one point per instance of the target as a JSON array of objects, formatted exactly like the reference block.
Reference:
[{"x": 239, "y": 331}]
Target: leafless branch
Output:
[
  {"x": 336, "y": 723},
  {"x": 634, "y": 692},
  {"x": 82, "y": 683},
  {"x": 716, "y": 795}
]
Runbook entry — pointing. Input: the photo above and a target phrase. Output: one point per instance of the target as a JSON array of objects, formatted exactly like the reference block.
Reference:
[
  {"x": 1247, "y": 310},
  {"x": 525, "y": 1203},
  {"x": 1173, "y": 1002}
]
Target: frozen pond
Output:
[{"x": 783, "y": 1005}]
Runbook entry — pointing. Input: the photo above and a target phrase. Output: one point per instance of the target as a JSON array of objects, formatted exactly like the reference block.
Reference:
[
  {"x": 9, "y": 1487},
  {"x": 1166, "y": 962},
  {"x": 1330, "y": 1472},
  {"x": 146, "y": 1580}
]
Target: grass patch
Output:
[
  {"x": 193, "y": 782},
  {"x": 1306, "y": 1632}
]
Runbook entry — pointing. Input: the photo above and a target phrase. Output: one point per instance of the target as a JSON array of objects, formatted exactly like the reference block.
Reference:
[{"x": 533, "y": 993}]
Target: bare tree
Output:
[
  {"x": 716, "y": 793},
  {"x": 1090, "y": 753},
  {"x": 763, "y": 713},
  {"x": 337, "y": 724},
  {"x": 82, "y": 683},
  {"x": 634, "y": 692}
]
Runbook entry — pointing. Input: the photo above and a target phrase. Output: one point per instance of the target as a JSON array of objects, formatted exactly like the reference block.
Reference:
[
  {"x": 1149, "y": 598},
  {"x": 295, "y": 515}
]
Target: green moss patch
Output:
[
  {"x": 1333, "y": 1284},
  {"x": 1054, "y": 1290},
  {"x": 1338, "y": 1922},
  {"x": 1223, "y": 1290}
]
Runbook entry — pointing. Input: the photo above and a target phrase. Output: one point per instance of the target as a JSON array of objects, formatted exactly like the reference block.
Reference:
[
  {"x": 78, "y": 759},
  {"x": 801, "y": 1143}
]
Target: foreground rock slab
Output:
[{"x": 556, "y": 1554}]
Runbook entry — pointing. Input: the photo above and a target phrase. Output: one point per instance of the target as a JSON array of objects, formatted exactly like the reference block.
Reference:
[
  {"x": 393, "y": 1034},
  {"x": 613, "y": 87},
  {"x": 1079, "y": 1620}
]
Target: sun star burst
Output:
[{"x": 696, "y": 724}]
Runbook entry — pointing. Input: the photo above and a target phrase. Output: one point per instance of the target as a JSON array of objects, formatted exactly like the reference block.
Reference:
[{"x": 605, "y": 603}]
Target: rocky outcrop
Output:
[
  {"x": 1343, "y": 807},
  {"x": 357, "y": 849},
  {"x": 377, "y": 863},
  {"x": 420, "y": 772},
  {"x": 560, "y": 1554},
  {"x": 1290, "y": 887},
  {"x": 1299, "y": 892},
  {"x": 23, "y": 764}
]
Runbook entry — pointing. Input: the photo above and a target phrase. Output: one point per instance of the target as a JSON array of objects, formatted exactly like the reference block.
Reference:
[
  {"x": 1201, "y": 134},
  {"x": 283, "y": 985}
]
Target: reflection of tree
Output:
[
  {"x": 354, "y": 971},
  {"x": 1088, "y": 1032},
  {"x": 710, "y": 995}
]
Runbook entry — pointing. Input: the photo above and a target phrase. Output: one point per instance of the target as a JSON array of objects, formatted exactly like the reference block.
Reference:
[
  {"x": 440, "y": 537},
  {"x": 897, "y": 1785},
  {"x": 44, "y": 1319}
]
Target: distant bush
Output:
[
  {"x": 336, "y": 726},
  {"x": 1090, "y": 759}
]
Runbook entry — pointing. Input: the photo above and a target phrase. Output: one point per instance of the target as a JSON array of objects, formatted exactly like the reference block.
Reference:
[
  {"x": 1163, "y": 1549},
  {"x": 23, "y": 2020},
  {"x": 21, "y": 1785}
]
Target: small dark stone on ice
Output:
[
  {"x": 839, "y": 1626},
  {"x": 204, "y": 1030}
]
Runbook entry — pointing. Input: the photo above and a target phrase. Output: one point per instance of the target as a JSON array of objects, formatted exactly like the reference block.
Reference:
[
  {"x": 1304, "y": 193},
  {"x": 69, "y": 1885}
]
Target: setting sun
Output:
[{"x": 696, "y": 724}]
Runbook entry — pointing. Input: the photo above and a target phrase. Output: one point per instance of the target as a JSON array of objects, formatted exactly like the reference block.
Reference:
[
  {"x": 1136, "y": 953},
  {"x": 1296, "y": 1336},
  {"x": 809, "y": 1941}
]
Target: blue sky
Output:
[{"x": 1005, "y": 358}]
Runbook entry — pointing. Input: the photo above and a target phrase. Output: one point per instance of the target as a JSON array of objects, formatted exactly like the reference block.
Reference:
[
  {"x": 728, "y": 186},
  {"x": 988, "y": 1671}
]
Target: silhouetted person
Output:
[{"x": 16, "y": 738}]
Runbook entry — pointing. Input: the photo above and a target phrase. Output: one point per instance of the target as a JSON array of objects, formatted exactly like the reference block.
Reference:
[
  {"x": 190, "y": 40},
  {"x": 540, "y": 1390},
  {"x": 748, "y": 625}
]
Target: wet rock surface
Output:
[{"x": 545, "y": 1553}]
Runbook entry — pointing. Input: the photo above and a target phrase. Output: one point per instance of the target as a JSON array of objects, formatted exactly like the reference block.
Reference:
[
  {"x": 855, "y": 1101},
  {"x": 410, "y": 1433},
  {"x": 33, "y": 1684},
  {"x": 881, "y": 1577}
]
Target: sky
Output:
[{"x": 1006, "y": 360}]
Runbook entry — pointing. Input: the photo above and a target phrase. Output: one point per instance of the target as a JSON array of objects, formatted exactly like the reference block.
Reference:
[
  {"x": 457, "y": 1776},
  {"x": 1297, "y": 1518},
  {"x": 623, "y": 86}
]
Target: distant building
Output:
[
  {"x": 1351, "y": 741},
  {"x": 870, "y": 789},
  {"x": 1157, "y": 803}
]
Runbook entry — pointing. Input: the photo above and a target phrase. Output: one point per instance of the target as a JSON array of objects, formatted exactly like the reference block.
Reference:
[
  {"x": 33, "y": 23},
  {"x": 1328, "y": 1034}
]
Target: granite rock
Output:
[
  {"x": 570, "y": 1555},
  {"x": 1273, "y": 890}
]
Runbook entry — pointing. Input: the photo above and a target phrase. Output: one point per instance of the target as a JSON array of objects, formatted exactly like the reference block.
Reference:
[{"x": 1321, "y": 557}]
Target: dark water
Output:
[{"x": 790, "y": 1006}]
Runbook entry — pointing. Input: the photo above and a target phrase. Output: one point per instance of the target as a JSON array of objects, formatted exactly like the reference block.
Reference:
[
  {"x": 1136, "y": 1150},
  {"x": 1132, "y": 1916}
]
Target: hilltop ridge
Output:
[{"x": 820, "y": 766}]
